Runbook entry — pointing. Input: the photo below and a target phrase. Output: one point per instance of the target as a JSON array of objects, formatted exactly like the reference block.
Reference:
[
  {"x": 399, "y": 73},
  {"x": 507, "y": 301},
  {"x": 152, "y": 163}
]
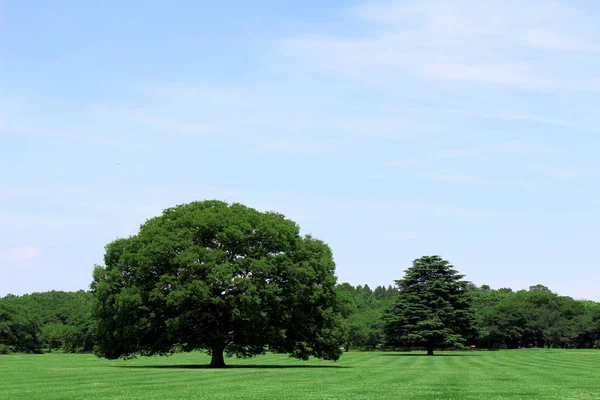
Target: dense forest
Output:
[
  {"x": 46, "y": 321},
  {"x": 504, "y": 319}
]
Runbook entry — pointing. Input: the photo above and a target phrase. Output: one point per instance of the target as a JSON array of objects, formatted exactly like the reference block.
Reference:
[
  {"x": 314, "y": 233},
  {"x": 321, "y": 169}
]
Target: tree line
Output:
[
  {"x": 46, "y": 321},
  {"x": 231, "y": 280},
  {"x": 503, "y": 319}
]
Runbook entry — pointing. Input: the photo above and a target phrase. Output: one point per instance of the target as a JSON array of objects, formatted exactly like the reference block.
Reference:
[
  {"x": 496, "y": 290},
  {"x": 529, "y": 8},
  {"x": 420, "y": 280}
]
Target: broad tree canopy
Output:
[
  {"x": 432, "y": 308},
  {"x": 219, "y": 277}
]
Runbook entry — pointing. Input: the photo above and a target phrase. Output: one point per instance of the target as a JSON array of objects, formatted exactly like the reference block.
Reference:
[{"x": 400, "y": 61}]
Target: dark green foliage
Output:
[
  {"x": 432, "y": 308},
  {"x": 20, "y": 330},
  {"x": 54, "y": 318},
  {"x": 363, "y": 324},
  {"x": 225, "y": 278},
  {"x": 53, "y": 335},
  {"x": 503, "y": 319},
  {"x": 534, "y": 318}
]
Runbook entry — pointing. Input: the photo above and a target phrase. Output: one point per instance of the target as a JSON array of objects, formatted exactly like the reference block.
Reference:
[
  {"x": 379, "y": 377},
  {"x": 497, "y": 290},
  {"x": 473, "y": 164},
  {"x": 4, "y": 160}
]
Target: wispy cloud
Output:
[
  {"x": 298, "y": 145},
  {"x": 522, "y": 117},
  {"x": 477, "y": 151},
  {"x": 403, "y": 163},
  {"x": 571, "y": 173},
  {"x": 152, "y": 119},
  {"x": 464, "y": 179},
  {"x": 460, "y": 212},
  {"x": 131, "y": 210},
  {"x": 560, "y": 42},
  {"x": 20, "y": 254},
  {"x": 405, "y": 236},
  {"x": 42, "y": 221},
  {"x": 82, "y": 200},
  {"x": 192, "y": 94},
  {"x": 37, "y": 116},
  {"x": 463, "y": 40}
]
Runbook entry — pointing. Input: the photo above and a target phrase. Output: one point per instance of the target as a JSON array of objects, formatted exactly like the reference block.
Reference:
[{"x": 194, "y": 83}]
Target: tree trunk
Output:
[
  {"x": 430, "y": 351},
  {"x": 217, "y": 360},
  {"x": 347, "y": 347}
]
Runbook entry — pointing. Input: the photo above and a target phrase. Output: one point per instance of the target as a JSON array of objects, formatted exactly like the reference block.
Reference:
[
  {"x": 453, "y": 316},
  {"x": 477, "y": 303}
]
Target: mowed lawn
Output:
[{"x": 516, "y": 374}]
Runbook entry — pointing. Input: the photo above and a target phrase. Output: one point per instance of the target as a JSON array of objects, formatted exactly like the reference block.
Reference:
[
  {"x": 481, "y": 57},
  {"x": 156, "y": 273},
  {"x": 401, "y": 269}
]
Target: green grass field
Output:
[{"x": 517, "y": 374}]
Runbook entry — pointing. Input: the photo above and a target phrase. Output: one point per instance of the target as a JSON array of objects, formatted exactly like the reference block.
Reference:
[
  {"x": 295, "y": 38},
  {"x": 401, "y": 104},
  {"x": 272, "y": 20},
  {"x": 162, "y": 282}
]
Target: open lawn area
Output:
[{"x": 516, "y": 374}]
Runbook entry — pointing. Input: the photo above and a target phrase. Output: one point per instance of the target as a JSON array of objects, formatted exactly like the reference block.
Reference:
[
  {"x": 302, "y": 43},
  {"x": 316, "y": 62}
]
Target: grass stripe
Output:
[{"x": 517, "y": 374}]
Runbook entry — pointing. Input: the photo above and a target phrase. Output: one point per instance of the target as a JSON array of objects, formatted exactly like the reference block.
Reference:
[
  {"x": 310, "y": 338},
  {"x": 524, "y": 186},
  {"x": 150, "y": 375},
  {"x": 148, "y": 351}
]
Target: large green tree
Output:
[
  {"x": 432, "y": 308},
  {"x": 224, "y": 278}
]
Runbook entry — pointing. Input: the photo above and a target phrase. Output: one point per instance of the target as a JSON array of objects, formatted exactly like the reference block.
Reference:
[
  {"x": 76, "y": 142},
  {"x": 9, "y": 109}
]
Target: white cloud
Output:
[
  {"x": 406, "y": 236},
  {"x": 521, "y": 117},
  {"x": 39, "y": 221},
  {"x": 485, "y": 150},
  {"x": 464, "y": 179},
  {"x": 151, "y": 119},
  {"x": 304, "y": 124},
  {"x": 572, "y": 173},
  {"x": 459, "y": 212},
  {"x": 304, "y": 145},
  {"x": 193, "y": 96},
  {"x": 404, "y": 163},
  {"x": 462, "y": 17},
  {"x": 20, "y": 254},
  {"x": 463, "y": 40},
  {"x": 554, "y": 41}
]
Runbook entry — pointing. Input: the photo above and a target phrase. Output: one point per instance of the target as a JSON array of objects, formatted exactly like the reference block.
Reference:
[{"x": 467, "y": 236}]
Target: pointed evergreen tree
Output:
[{"x": 432, "y": 308}]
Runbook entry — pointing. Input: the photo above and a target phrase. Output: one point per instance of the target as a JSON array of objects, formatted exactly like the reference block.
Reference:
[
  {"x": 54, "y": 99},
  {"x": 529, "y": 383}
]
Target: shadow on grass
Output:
[
  {"x": 425, "y": 355},
  {"x": 204, "y": 366}
]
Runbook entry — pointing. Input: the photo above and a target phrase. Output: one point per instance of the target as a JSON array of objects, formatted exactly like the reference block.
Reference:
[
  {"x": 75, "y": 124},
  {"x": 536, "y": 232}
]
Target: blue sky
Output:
[{"x": 390, "y": 130}]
